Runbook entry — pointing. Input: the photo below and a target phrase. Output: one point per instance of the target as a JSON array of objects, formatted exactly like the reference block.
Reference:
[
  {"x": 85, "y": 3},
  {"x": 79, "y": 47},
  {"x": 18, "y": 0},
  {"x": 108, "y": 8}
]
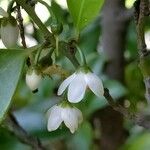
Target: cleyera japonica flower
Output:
[
  {"x": 78, "y": 82},
  {"x": 71, "y": 116},
  {"x": 33, "y": 79},
  {"x": 9, "y": 29}
]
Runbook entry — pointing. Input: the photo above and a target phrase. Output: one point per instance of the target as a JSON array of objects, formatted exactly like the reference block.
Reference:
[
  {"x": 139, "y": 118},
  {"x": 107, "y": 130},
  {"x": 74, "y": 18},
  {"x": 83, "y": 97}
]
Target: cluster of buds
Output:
[{"x": 9, "y": 29}]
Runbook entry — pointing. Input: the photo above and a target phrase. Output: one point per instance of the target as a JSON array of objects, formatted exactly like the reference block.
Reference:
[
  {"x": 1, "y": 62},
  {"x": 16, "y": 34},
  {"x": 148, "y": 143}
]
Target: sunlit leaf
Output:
[{"x": 84, "y": 11}]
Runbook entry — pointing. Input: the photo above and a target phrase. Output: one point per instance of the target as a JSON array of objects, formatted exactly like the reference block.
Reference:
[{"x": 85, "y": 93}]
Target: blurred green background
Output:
[{"x": 30, "y": 108}]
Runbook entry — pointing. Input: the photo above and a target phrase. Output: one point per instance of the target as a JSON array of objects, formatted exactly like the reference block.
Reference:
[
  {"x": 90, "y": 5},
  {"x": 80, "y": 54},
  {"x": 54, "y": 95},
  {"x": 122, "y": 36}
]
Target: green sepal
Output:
[
  {"x": 9, "y": 20},
  {"x": 85, "y": 69},
  {"x": 33, "y": 68},
  {"x": 65, "y": 103}
]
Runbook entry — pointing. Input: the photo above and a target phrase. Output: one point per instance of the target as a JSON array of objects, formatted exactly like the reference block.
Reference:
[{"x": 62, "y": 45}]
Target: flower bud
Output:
[
  {"x": 56, "y": 27},
  {"x": 9, "y": 31},
  {"x": 33, "y": 80}
]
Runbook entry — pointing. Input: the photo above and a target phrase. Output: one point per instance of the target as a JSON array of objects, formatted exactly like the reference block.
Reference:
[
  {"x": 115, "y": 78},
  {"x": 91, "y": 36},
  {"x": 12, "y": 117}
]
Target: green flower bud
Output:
[{"x": 56, "y": 27}]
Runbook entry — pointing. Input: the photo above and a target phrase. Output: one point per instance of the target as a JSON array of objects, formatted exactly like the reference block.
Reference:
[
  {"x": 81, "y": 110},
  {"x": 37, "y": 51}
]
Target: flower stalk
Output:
[
  {"x": 82, "y": 56},
  {"x": 9, "y": 9}
]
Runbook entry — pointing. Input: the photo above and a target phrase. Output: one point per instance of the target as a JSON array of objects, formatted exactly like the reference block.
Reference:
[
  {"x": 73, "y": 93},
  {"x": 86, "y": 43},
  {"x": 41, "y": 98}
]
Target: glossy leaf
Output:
[
  {"x": 84, "y": 11},
  {"x": 11, "y": 64}
]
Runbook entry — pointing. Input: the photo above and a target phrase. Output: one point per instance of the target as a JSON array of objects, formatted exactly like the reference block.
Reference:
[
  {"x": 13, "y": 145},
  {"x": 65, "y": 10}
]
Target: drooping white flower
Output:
[
  {"x": 77, "y": 84},
  {"x": 33, "y": 79},
  {"x": 9, "y": 29},
  {"x": 71, "y": 116}
]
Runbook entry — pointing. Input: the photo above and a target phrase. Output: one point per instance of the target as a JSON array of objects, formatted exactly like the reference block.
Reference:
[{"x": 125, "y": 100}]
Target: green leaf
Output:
[
  {"x": 139, "y": 143},
  {"x": 11, "y": 64},
  {"x": 84, "y": 11},
  {"x": 133, "y": 77},
  {"x": 116, "y": 89},
  {"x": 82, "y": 139}
]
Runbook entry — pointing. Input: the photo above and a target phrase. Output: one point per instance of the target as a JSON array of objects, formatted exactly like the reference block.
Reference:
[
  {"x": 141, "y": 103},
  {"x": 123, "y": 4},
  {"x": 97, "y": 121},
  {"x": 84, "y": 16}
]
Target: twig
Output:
[
  {"x": 21, "y": 27},
  {"x": 126, "y": 15},
  {"x": 114, "y": 105},
  {"x": 22, "y": 33},
  {"x": 30, "y": 10},
  {"x": 14, "y": 127},
  {"x": 139, "y": 118},
  {"x": 141, "y": 10}
]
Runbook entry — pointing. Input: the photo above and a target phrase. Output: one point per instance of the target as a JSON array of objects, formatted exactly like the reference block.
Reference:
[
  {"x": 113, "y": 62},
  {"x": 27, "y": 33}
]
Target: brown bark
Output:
[
  {"x": 113, "y": 37},
  {"x": 114, "y": 29}
]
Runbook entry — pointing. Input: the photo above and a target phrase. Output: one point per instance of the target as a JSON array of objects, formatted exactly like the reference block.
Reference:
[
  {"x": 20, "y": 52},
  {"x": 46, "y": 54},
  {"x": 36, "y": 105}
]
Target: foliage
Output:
[
  {"x": 11, "y": 64},
  {"x": 80, "y": 22}
]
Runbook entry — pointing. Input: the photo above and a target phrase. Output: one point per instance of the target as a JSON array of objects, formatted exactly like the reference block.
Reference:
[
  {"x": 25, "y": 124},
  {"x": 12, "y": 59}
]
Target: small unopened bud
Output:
[
  {"x": 33, "y": 80},
  {"x": 9, "y": 31},
  {"x": 56, "y": 27}
]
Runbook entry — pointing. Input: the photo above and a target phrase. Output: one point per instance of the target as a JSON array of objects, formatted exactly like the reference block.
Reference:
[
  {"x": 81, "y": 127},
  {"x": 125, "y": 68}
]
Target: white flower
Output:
[
  {"x": 9, "y": 29},
  {"x": 71, "y": 116},
  {"x": 77, "y": 84},
  {"x": 33, "y": 80}
]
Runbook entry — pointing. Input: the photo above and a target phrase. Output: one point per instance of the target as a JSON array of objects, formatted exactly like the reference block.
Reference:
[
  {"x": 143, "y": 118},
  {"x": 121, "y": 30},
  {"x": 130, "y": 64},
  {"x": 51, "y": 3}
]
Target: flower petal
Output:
[
  {"x": 77, "y": 88},
  {"x": 3, "y": 12},
  {"x": 95, "y": 84},
  {"x": 70, "y": 119},
  {"x": 65, "y": 83},
  {"x": 54, "y": 118},
  {"x": 78, "y": 114}
]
